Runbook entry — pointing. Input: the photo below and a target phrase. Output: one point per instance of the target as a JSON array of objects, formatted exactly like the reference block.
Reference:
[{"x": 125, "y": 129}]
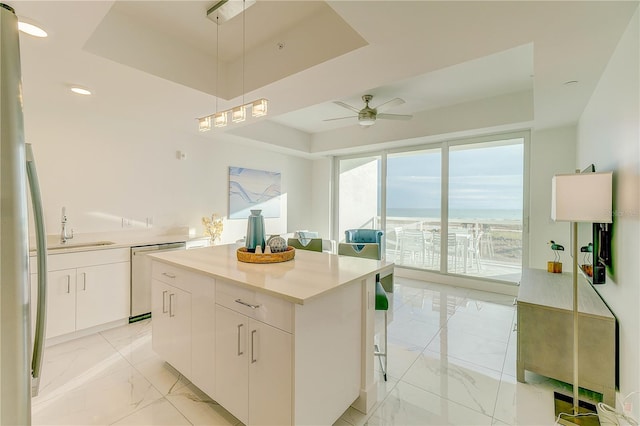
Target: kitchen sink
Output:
[{"x": 80, "y": 245}]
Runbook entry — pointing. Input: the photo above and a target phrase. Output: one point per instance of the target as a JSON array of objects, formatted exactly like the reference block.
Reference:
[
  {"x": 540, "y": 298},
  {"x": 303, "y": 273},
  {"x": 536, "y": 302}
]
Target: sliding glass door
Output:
[
  {"x": 454, "y": 207},
  {"x": 485, "y": 209},
  {"x": 414, "y": 193}
]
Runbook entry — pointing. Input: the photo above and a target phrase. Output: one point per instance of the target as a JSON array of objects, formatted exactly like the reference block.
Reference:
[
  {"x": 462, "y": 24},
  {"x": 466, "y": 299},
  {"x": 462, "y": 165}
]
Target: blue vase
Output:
[{"x": 255, "y": 231}]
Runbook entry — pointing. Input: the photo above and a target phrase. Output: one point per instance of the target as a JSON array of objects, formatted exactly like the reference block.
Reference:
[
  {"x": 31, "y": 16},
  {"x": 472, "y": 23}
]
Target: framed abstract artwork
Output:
[{"x": 251, "y": 189}]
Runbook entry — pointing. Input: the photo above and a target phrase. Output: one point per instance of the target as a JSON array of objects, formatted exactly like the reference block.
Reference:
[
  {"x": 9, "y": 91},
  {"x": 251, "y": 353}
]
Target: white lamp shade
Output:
[{"x": 582, "y": 197}]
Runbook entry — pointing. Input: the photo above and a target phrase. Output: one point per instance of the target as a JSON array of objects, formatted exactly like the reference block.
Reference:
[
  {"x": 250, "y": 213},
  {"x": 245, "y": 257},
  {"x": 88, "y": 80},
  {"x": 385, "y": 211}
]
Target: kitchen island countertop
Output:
[{"x": 308, "y": 275}]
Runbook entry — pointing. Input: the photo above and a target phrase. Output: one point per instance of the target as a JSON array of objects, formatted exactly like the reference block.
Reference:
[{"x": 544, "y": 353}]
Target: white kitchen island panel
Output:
[{"x": 307, "y": 323}]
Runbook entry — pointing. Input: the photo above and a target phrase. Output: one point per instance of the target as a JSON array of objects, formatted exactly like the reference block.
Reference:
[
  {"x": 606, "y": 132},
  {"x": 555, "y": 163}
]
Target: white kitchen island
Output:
[{"x": 275, "y": 344}]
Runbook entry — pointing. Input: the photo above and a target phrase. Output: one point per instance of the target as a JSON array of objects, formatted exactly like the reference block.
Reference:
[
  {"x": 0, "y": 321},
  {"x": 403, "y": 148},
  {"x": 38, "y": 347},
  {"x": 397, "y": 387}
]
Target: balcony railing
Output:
[{"x": 475, "y": 247}]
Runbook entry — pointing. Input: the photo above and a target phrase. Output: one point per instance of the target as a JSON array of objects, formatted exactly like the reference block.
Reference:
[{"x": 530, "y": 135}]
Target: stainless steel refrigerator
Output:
[{"x": 20, "y": 362}]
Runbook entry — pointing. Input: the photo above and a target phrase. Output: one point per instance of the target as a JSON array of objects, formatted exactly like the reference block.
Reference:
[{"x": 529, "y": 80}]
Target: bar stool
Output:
[
  {"x": 382, "y": 304},
  {"x": 372, "y": 251}
]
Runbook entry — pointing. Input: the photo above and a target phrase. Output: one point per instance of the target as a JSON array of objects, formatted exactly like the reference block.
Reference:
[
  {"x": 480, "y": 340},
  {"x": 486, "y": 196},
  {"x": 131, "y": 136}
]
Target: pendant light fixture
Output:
[
  {"x": 220, "y": 13},
  {"x": 219, "y": 119}
]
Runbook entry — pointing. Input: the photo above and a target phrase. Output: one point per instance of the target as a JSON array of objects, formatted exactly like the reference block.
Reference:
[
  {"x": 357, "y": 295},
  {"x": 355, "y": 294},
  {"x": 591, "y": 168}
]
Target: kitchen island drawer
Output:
[
  {"x": 178, "y": 277},
  {"x": 59, "y": 261},
  {"x": 262, "y": 307}
]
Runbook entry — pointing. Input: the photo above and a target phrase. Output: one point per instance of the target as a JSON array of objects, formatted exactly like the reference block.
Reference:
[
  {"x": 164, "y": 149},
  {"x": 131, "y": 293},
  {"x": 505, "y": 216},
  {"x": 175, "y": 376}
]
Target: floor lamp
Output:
[{"x": 580, "y": 197}]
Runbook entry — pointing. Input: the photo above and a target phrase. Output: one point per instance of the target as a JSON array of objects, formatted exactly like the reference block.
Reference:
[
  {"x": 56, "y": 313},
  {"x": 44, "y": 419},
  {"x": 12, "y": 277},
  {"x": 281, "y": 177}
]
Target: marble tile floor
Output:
[{"x": 452, "y": 355}]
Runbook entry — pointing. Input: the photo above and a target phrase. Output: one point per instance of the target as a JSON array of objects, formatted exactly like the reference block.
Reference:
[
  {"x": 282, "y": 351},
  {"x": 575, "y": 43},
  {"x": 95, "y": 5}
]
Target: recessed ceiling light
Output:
[
  {"x": 31, "y": 29},
  {"x": 80, "y": 90}
]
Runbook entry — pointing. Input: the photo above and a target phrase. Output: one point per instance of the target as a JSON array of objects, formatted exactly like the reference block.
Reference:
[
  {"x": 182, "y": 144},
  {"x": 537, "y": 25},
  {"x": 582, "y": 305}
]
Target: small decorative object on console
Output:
[
  {"x": 555, "y": 266},
  {"x": 587, "y": 266}
]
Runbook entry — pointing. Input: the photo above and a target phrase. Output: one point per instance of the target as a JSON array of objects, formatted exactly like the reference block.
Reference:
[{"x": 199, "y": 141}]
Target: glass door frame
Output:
[{"x": 335, "y": 191}]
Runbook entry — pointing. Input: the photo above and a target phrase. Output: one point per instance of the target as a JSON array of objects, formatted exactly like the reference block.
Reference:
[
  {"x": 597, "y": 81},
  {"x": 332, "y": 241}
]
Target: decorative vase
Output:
[
  {"x": 255, "y": 231},
  {"x": 277, "y": 244}
]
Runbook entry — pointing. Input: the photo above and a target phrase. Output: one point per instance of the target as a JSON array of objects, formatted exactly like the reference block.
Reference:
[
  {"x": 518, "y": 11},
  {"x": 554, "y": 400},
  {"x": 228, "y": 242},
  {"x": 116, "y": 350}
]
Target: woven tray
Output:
[{"x": 248, "y": 257}]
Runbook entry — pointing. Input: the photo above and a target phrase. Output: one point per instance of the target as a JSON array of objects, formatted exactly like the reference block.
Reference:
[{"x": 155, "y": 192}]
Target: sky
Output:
[{"x": 480, "y": 177}]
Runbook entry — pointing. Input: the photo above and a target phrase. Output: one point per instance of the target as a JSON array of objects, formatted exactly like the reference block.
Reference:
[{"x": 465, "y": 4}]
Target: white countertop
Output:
[
  {"x": 87, "y": 242},
  {"x": 308, "y": 275}
]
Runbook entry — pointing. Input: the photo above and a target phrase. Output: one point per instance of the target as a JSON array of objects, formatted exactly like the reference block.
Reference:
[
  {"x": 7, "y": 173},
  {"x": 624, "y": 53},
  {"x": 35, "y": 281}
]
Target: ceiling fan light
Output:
[
  {"x": 366, "y": 122},
  {"x": 259, "y": 107},
  {"x": 238, "y": 114},
  {"x": 220, "y": 119}
]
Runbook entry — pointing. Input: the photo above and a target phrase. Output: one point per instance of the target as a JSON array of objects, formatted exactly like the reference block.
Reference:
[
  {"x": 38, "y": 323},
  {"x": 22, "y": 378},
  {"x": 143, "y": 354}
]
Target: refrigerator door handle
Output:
[{"x": 41, "y": 243}]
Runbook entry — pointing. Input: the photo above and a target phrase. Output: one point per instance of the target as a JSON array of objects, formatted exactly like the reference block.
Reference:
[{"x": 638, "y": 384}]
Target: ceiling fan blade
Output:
[
  {"x": 347, "y": 106},
  {"x": 389, "y": 104},
  {"x": 340, "y": 118},
  {"x": 395, "y": 116}
]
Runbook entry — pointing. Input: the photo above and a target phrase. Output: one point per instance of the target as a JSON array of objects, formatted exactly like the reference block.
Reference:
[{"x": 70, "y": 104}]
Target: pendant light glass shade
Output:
[
  {"x": 259, "y": 107},
  {"x": 238, "y": 114},
  {"x": 220, "y": 119},
  {"x": 204, "y": 124}
]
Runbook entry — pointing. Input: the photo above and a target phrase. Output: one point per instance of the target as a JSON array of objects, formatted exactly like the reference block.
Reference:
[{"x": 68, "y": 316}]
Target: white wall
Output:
[
  {"x": 358, "y": 193},
  {"x": 609, "y": 137},
  {"x": 552, "y": 151},
  {"x": 103, "y": 170},
  {"x": 321, "y": 197}
]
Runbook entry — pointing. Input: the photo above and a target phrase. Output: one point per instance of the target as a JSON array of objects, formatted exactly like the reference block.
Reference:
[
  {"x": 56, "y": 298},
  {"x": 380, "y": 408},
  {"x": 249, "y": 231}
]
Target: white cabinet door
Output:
[
  {"x": 270, "y": 375},
  {"x": 232, "y": 372},
  {"x": 61, "y": 302},
  {"x": 171, "y": 325},
  {"x": 103, "y": 294},
  {"x": 160, "y": 327}
]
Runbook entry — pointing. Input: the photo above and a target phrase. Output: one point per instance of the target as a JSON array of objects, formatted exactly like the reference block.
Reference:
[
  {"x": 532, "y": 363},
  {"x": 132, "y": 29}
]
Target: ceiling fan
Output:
[{"x": 367, "y": 116}]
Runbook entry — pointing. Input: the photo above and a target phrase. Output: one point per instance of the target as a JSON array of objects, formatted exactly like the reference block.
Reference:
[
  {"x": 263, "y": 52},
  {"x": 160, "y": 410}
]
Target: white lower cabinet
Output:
[
  {"x": 270, "y": 369},
  {"x": 102, "y": 294},
  {"x": 183, "y": 322},
  {"x": 61, "y": 302},
  {"x": 84, "y": 290},
  {"x": 253, "y": 367},
  {"x": 232, "y": 362},
  {"x": 171, "y": 313}
]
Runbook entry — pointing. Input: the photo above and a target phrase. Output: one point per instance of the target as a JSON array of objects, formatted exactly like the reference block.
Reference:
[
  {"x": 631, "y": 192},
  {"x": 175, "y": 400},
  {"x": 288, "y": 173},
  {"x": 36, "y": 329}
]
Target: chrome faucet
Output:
[{"x": 63, "y": 233}]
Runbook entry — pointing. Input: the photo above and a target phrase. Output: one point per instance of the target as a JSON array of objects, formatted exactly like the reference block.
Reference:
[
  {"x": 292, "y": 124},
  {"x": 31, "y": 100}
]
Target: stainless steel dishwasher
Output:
[{"x": 141, "y": 278}]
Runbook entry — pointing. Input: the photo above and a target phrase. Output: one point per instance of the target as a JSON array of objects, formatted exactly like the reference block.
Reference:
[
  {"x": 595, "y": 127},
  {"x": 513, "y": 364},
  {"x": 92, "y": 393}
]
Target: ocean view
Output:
[{"x": 467, "y": 214}]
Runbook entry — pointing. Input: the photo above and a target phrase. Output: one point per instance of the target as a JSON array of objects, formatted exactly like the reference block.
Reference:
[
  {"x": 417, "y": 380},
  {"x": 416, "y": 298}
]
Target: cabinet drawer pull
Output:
[
  {"x": 240, "y": 301},
  {"x": 168, "y": 275},
  {"x": 253, "y": 333},
  {"x": 239, "y": 351},
  {"x": 164, "y": 302},
  {"x": 171, "y": 313}
]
